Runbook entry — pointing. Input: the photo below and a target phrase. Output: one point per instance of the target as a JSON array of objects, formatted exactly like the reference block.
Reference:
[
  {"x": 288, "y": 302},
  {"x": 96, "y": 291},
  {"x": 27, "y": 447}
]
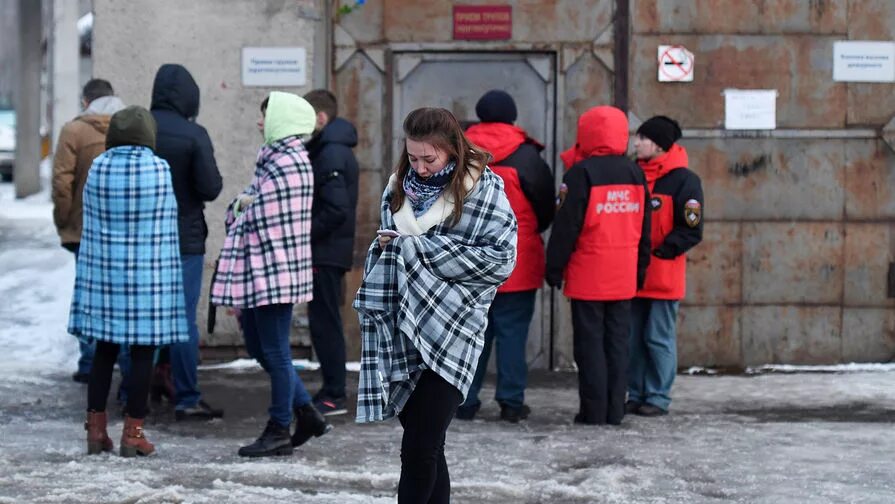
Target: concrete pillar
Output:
[
  {"x": 27, "y": 165},
  {"x": 64, "y": 65}
]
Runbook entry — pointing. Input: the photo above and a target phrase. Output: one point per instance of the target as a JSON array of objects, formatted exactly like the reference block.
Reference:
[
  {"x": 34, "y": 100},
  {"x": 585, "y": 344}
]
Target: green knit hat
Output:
[{"x": 131, "y": 126}]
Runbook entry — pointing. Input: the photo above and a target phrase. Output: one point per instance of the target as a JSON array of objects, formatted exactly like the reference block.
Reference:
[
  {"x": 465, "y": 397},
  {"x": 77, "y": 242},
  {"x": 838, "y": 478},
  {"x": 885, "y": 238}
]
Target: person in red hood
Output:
[
  {"x": 601, "y": 241},
  {"x": 677, "y": 205},
  {"x": 528, "y": 183}
]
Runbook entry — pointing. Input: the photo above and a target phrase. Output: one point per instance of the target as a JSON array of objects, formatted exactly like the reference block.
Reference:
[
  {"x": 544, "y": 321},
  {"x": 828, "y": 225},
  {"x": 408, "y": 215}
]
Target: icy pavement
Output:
[{"x": 818, "y": 437}]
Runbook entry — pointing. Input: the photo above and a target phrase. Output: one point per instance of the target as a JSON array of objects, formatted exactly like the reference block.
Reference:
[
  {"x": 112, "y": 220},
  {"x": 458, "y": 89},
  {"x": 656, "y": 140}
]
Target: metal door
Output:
[{"x": 456, "y": 81}]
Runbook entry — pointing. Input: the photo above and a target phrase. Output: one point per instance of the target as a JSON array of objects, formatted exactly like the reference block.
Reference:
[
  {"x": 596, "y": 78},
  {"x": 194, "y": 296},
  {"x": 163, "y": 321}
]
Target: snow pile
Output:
[
  {"x": 252, "y": 365},
  {"x": 852, "y": 367},
  {"x": 36, "y": 207},
  {"x": 36, "y": 286}
]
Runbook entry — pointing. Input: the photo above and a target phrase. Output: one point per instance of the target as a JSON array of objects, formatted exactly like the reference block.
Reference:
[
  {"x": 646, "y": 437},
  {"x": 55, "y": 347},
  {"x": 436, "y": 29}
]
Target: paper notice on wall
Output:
[
  {"x": 274, "y": 66},
  {"x": 861, "y": 61},
  {"x": 750, "y": 109}
]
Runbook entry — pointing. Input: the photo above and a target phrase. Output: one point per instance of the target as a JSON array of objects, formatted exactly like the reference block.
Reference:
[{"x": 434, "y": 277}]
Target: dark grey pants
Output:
[{"x": 601, "y": 333}]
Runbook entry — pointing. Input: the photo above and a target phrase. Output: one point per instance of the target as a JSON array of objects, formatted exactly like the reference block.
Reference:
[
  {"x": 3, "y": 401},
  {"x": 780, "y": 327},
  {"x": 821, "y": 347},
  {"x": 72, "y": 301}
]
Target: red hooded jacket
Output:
[
  {"x": 528, "y": 183},
  {"x": 677, "y": 205},
  {"x": 600, "y": 238}
]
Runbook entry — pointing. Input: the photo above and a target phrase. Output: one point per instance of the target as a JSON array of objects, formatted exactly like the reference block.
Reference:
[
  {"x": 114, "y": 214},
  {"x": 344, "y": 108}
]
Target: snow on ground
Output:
[
  {"x": 36, "y": 284},
  {"x": 780, "y": 435}
]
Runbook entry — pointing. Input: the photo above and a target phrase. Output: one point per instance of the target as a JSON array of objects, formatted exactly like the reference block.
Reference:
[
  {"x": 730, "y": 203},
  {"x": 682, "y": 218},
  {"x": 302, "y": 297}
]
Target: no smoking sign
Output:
[{"x": 675, "y": 64}]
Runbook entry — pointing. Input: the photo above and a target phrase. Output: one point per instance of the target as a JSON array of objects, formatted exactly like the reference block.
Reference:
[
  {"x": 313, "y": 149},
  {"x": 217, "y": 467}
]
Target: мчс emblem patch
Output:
[{"x": 692, "y": 213}]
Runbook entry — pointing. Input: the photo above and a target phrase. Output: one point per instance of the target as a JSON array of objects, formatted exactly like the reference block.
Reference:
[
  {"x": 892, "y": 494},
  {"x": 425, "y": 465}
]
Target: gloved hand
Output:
[{"x": 242, "y": 202}]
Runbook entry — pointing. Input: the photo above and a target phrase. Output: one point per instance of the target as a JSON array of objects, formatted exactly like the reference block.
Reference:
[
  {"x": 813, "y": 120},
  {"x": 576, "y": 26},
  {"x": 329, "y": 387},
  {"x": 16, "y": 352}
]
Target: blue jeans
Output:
[
  {"x": 508, "y": 321},
  {"x": 185, "y": 356},
  {"x": 266, "y": 331},
  {"x": 653, "y": 351}
]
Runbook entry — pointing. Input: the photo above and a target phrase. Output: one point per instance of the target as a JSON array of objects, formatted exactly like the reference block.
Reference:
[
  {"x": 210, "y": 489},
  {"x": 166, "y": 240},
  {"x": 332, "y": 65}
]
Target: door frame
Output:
[{"x": 402, "y": 62}]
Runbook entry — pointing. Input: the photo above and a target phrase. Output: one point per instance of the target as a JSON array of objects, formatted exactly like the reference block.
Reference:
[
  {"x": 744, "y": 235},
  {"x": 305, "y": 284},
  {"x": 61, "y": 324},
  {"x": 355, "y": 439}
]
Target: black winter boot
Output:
[
  {"x": 273, "y": 441},
  {"x": 308, "y": 422}
]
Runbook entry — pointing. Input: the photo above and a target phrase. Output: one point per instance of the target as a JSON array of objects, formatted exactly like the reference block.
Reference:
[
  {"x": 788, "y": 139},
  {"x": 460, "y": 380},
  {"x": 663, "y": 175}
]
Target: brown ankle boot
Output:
[
  {"x": 133, "y": 439},
  {"x": 98, "y": 440}
]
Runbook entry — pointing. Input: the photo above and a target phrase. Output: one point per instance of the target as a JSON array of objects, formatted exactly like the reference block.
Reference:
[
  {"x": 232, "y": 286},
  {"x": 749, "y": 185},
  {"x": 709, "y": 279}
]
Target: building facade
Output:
[{"x": 796, "y": 264}]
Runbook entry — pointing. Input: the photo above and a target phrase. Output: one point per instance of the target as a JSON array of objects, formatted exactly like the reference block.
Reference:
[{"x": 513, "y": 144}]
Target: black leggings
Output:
[
  {"x": 426, "y": 417},
  {"x": 101, "y": 378}
]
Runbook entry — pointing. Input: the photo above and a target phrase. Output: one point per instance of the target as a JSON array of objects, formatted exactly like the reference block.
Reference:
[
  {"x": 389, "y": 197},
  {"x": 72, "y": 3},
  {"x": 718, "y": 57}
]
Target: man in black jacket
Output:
[
  {"x": 332, "y": 242},
  {"x": 194, "y": 174}
]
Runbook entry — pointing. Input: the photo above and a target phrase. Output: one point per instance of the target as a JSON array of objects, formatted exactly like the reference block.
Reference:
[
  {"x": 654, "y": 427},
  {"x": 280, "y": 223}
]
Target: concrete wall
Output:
[
  {"x": 9, "y": 47},
  {"x": 132, "y": 39},
  {"x": 797, "y": 246}
]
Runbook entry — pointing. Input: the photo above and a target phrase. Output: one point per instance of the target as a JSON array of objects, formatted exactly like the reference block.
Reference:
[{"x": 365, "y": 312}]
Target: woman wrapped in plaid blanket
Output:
[
  {"x": 448, "y": 241},
  {"x": 128, "y": 285},
  {"x": 265, "y": 267}
]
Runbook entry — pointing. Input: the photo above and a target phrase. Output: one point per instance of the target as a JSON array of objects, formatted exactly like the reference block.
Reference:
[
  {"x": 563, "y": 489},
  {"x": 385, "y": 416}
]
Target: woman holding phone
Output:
[{"x": 448, "y": 240}]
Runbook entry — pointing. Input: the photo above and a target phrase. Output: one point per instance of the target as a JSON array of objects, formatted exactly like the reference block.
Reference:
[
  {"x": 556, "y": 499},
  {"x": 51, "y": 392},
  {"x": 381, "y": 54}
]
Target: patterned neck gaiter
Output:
[{"x": 422, "y": 192}]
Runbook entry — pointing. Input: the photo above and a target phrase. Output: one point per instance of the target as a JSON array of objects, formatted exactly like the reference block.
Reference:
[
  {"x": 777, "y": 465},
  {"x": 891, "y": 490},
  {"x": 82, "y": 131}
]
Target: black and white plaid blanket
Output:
[{"x": 424, "y": 300}]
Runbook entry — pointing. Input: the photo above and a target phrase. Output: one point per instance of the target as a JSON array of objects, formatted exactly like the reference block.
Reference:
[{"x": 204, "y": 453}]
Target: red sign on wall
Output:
[{"x": 483, "y": 22}]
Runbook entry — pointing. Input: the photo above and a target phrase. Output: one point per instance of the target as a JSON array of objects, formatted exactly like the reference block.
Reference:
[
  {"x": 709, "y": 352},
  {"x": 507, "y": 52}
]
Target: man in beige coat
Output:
[{"x": 80, "y": 142}]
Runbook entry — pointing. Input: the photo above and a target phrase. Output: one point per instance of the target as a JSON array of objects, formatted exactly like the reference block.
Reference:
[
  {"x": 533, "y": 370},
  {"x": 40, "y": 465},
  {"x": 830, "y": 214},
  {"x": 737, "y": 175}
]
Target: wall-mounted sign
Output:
[
  {"x": 750, "y": 109},
  {"x": 274, "y": 66},
  {"x": 864, "y": 61},
  {"x": 483, "y": 22},
  {"x": 675, "y": 64}
]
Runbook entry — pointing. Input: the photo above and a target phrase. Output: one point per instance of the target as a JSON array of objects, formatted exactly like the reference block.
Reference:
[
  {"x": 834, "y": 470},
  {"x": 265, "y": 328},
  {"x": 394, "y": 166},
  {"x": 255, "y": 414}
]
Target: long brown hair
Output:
[{"x": 440, "y": 128}]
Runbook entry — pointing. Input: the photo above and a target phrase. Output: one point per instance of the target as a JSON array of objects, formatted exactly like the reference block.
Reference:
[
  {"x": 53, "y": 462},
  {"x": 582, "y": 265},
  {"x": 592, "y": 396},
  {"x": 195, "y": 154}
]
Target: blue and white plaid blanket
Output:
[
  {"x": 128, "y": 284},
  {"x": 424, "y": 300}
]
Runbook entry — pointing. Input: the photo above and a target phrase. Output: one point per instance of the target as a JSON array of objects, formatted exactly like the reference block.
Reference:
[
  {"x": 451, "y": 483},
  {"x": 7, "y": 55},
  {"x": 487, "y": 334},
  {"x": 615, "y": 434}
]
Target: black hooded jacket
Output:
[
  {"x": 187, "y": 148},
  {"x": 333, "y": 215}
]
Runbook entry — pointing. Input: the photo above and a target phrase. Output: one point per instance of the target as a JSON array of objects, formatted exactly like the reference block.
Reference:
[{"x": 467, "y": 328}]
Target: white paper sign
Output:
[
  {"x": 675, "y": 64},
  {"x": 273, "y": 66},
  {"x": 864, "y": 61},
  {"x": 752, "y": 109}
]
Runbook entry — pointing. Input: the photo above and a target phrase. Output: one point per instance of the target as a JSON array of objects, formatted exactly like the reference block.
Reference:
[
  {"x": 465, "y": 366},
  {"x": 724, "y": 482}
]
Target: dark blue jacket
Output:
[
  {"x": 333, "y": 215},
  {"x": 187, "y": 149}
]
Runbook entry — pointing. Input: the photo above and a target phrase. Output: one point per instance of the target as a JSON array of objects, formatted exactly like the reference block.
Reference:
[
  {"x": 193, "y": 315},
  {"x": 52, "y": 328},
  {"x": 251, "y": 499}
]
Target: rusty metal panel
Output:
[
  {"x": 738, "y": 16},
  {"x": 871, "y": 20},
  {"x": 536, "y": 21},
  {"x": 871, "y": 104},
  {"x": 587, "y": 84},
  {"x": 868, "y": 335},
  {"x": 798, "y": 67},
  {"x": 791, "y": 335},
  {"x": 559, "y": 20},
  {"x": 793, "y": 262},
  {"x": 869, "y": 180},
  {"x": 714, "y": 267},
  {"x": 770, "y": 179},
  {"x": 364, "y": 24},
  {"x": 709, "y": 336},
  {"x": 868, "y": 254},
  {"x": 360, "y": 88},
  {"x": 370, "y": 187}
]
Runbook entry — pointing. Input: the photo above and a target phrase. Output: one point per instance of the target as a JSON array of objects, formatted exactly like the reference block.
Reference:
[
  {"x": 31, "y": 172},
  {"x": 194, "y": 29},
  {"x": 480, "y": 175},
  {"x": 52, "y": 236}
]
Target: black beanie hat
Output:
[
  {"x": 664, "y": 131},
  {"x": 496, "y": 106},
  {"x": 131, "y": 126}
]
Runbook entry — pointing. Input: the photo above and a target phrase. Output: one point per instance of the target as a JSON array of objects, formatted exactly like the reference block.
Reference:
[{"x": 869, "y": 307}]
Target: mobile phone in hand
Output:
[{"x": 388, "y": 232}]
